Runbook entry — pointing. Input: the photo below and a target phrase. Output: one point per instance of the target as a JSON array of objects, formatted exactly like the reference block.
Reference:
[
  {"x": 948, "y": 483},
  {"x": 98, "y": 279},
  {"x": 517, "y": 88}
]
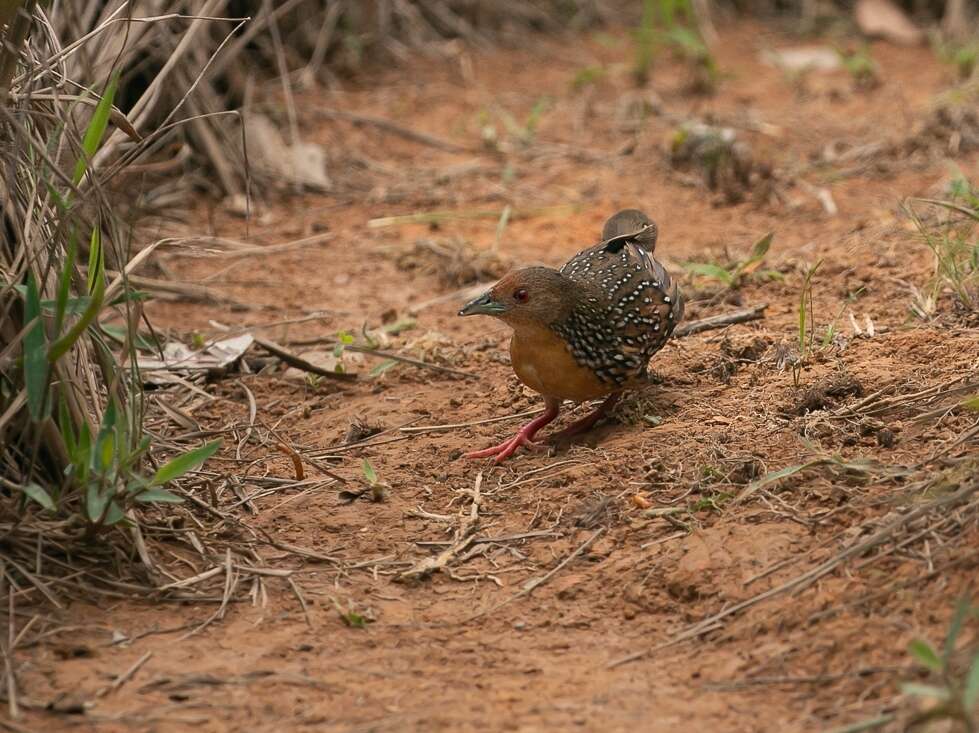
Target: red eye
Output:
[{"x": 521, "y": 296}]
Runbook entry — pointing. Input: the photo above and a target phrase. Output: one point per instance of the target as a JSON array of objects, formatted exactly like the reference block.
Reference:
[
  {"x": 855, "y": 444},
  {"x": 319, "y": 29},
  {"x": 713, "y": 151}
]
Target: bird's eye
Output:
[{"x": 521, "y": 295}]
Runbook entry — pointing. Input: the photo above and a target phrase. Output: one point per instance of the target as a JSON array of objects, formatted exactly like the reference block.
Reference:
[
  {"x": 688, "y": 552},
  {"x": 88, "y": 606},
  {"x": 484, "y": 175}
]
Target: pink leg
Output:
[
  {"x": 588, "y": 421},
  {"x": 524, "y": 437}
]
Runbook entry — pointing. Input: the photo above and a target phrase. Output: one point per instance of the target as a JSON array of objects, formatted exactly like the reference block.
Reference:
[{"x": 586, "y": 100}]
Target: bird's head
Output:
[
  {"x": 533, "y": 296},
  {"x": 631, "y": 223}
]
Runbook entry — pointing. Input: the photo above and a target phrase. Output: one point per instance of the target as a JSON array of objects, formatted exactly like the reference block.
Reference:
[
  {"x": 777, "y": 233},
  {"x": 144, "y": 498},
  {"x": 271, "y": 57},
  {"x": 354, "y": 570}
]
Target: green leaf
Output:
[
  {"x": 708, "y": 269},
  {"x": 925, "y": 654},
  {"x": 383, "y": 367},
  {"x": 158, "y": 496},
  {"x": 758, "y": 252},
  {"x": 64, "y": 284},
  {"x": 760, "y": 249},
  {"x": 95, "y": 502},
  {"x": 97, "y": 289},
  {"x": 354, "y": 619},
  {"x": 773, "y": 476},
  {"x": 369, "y": 473},
  {"x": 962, "y": 609},
  {"x": 66, "y": 426},
  {"x": 113, "y": 514},
  {"x": 403, "y": 324},
  {"x": 178, "y": 466},
  {"x": 82, "y": 457},
  {"x": 106, "y": 451},
  {"x": 96, "y": 258},
  {"x": 806, "y": 291},
  {"x": 73, "y": 306},
  {"x": 35, "y": 365},
  {"x": 96, "y": 129},
  {"x": 970, "y": 695},
  {"x": 918, "y": 690},
  {"x": 345, "y": 337},
  {"x": 38, "y": 494},
  {"x": 972, "y": 403},
  {"x": 143, "y": 341}
]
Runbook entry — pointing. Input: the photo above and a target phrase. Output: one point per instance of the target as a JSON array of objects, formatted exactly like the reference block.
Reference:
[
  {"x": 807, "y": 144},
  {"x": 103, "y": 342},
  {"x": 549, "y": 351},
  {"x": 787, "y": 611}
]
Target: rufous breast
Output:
[{"x": 542, "y": 361}]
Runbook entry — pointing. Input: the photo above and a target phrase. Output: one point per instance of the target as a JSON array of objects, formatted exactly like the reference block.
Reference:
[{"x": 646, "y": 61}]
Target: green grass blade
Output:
[
  {"x": 773, "y": 476},
  {"x": 710, "y": 270},
  {"x": 158, "y": 496},
  {"x": 97, "y": 289},
  {"x": 369, "y": 473},
  {"x": 913, "y": 688},
  {"x": 806, "y": 290},
  {"x": 962, "y": 609},
  {"x": 760, "y": 248},
  {"x": 64, "y": 284},
  {"x": 65, "y": 425},
  {"x": 35, "y": 363},
  {"x": 38, "y": 494},
  {"x": 922, "y": 651},
  {"x": 178, "y": 466},
  {"x": 970, "y": 696},
  {"x": 94, "y": 502},
  {"x": 96, "y": 259},
  {"x": 96, "y": 129}
]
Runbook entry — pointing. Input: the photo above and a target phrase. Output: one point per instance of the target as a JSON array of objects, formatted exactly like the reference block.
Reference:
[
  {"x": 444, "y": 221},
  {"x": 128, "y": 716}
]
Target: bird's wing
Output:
[{"x": 640, "y": 306}]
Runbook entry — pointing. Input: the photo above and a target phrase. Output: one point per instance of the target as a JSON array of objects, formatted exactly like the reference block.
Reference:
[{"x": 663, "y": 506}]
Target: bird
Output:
[{"x": 587, "y": 330}]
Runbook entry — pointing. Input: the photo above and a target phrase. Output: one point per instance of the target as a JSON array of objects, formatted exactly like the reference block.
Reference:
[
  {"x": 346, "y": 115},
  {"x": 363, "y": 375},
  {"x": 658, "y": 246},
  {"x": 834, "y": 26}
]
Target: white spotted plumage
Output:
[{"x": 629, "y": 313}]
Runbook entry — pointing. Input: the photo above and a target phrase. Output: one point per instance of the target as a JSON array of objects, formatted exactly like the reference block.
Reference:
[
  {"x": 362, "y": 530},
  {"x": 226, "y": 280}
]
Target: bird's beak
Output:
[{"x": 483, "y": 305}]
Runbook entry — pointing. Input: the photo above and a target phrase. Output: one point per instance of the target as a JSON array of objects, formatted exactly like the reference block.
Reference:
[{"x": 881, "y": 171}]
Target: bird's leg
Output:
[
  {"x": 588, "y": 421},
  {"x": 524, "y": 436}
]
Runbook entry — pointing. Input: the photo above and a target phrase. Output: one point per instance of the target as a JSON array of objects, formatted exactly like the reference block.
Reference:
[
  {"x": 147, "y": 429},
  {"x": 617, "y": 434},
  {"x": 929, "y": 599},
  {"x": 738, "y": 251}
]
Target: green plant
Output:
[
  {"x": 954, "y": 696},
  {"x": 587, "y": 76},
  {"x": 645, "y": 43},
  {"x": 861, "y": 66},
  {"x": 964, "y": 56},
  {"x": 807, "y": 327},
  {"x": 952, "y": 238},
  {"x": 379, "y": 489},
  {"x": 344, "y": 339},
  {"x": 351, "y": 616},
  {"x": 712, "y": 502},
  {"x": 733, "y": 276},
  {"x": 105, "y": 469},
  {"x": 77, "y": 463},
  {"x": 672, "y": 24},
  {"x": 690, "y": 47}
]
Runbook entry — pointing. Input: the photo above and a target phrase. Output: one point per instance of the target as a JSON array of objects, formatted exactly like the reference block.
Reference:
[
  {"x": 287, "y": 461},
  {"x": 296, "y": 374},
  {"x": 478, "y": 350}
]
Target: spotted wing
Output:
[{"x": 628, "y": 311}]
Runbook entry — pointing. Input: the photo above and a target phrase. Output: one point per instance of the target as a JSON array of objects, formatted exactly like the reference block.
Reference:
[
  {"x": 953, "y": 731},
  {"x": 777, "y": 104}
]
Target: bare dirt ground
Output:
[{"x": 650, "y": 496}]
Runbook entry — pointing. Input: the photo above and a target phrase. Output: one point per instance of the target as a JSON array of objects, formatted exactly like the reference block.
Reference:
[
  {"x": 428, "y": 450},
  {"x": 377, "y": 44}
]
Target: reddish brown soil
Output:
[{"x": 804, "y": 662}]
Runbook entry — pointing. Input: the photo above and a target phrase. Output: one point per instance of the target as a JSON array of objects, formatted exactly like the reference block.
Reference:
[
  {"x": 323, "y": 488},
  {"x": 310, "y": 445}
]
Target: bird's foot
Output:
[
  {"x": 524, "y": 437},
  {"x": 587, "y": 422},
  {"x": 507, "y": 448}
]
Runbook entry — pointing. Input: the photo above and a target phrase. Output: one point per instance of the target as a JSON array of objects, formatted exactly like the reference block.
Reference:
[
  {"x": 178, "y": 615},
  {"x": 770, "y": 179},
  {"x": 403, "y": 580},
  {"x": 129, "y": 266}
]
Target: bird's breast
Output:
[{"x": 542, "y": 361}]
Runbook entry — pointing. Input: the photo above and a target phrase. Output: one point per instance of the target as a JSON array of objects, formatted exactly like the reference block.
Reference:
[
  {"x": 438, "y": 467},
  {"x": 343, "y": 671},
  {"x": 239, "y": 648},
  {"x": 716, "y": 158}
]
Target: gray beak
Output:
[{"x": 483, "y": 305}]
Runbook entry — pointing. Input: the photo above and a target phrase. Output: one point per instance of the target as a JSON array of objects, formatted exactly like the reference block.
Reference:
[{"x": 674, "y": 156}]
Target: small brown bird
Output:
[{"x": 587, "y": 330}]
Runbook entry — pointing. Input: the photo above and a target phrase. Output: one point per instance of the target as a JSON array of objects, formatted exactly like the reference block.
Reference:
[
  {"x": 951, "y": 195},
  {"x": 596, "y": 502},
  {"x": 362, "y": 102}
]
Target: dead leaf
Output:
[{"x": 640, "y": 501}]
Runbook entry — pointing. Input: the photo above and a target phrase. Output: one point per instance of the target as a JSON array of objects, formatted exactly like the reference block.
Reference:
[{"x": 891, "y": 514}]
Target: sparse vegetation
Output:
[
  {"x": 951, "y": 235},
  {"x": 861, "y": 66},
  {"x": 732, "y": 276},
  {"x": 964, "y": 56},
  {"x": 672, "y": 25},
  {"x": 72, "y": 432},
  {"x": 235, "y": 393},
  {"x": 952, "y": 690},
  {"x": 806, "y": 332}
]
